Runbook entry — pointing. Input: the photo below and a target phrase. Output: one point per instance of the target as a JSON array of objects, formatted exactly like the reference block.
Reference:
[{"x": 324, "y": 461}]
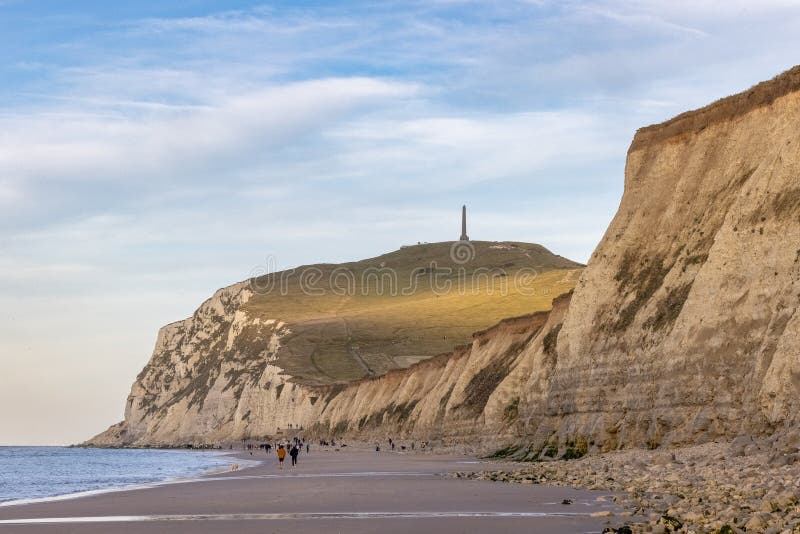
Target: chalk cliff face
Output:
[
  {"x": 683, "y": 327},
  {"x": 211, "y": 379},
  {"x": 239, "y": 369}
]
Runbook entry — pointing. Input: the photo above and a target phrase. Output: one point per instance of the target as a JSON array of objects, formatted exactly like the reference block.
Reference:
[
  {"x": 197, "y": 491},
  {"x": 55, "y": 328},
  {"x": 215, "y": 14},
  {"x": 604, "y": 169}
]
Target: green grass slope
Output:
[{"x": 364, "y": 318}]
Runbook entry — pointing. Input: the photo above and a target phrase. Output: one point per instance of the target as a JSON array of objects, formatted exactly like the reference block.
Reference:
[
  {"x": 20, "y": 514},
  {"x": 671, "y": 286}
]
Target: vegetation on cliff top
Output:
[{"x": 365, "y": 318}]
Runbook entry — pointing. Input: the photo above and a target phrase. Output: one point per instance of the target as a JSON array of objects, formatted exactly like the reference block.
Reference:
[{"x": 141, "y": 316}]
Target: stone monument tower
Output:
[{"x": 464, "y": 236}]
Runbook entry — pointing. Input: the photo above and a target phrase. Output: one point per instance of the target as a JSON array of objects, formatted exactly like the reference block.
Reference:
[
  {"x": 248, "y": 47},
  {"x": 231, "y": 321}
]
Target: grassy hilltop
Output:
[{"x": 367, "y": 317}]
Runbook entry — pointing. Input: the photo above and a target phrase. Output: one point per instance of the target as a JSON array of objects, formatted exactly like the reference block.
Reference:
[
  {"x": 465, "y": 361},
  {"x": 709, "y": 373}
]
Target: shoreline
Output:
[
  {"x": 353, "y": 490},
  {"x": 212, "y": 471}
]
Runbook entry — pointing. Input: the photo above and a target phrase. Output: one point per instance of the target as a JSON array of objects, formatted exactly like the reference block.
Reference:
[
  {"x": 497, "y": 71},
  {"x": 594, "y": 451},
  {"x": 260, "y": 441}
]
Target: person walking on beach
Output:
[
  {"x": 308, "y": 448},
  {"x": 293, "y": 453},
  {"x": 281, "y": 455}
]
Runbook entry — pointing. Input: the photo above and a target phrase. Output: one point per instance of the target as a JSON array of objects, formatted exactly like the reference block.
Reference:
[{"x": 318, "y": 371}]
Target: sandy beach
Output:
[{"x": 351, "y": 490}]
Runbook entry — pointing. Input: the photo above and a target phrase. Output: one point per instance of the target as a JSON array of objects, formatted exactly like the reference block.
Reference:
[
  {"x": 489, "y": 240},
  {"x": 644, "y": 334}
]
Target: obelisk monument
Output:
[{"x": 464, "y": 236}]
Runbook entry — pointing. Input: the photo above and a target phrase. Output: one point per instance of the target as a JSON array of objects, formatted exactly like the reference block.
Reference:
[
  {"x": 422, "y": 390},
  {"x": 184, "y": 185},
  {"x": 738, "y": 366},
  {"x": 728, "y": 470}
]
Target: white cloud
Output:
[
  {"x": 75, "y": 145},
  {"x": 460, "y": 151},
  {"x": 642, "y": 20}
]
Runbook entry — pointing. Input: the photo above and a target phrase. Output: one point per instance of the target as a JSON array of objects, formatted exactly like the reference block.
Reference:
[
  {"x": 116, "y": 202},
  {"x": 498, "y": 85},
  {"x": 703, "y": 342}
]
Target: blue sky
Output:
[{"x": 151, "y": 152}]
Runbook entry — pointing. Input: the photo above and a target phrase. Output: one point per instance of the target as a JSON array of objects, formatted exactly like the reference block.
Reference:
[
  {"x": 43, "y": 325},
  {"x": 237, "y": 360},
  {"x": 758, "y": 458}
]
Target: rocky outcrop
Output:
[
  {"x": 714, "y": 487},
  {"x": 683, "y": 327}
]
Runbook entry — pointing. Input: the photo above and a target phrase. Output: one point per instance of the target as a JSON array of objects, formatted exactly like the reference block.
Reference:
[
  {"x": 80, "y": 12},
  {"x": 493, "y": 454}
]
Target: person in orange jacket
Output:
[{"x": 281, "y": 455}]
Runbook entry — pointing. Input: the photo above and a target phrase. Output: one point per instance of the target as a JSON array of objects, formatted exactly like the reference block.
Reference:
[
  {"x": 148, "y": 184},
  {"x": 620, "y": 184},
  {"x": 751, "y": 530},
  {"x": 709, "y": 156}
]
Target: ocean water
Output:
[{"x": 41, "y": 472}]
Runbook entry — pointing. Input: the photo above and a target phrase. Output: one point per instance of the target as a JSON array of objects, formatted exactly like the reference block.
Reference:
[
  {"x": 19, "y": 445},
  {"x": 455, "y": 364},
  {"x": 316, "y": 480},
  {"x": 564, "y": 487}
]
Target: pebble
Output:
[{"x": 715, "y": 488}]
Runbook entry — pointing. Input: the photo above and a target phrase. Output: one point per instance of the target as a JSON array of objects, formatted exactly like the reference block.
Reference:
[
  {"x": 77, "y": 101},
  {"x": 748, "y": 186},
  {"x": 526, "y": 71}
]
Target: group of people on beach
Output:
[
  {"x": 291, "y": 447},
  {"x": 294, "y": 447},
  {"x": 392, "y": 444}
]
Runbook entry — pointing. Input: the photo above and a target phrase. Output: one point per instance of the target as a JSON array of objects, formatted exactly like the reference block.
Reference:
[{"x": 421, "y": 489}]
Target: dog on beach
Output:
[{"x": 235, "y": 467}]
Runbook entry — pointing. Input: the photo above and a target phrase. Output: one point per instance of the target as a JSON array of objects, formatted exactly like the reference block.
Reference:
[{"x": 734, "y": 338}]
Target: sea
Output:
[{"x": 30, "y": 474}]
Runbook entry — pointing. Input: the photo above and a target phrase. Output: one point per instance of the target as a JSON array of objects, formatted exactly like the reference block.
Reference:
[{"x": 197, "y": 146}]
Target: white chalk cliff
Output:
[{"x": 683, "y": 328}]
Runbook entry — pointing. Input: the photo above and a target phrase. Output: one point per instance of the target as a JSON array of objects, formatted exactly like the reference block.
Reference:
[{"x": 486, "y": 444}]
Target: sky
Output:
[{"x": 154, "y": 151}]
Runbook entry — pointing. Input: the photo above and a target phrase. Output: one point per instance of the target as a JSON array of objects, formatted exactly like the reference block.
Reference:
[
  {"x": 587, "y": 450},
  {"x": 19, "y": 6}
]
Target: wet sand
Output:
[{"x": 353, "y": 490}]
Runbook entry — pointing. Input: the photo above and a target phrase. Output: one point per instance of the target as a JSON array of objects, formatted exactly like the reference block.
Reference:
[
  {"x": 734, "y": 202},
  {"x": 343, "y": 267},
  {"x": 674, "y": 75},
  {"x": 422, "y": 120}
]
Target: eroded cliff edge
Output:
[{"x": 683, "y": 327}]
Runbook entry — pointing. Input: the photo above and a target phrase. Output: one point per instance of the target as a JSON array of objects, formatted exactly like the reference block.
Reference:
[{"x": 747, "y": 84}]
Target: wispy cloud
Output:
[{"x": 167, "y": 142}]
